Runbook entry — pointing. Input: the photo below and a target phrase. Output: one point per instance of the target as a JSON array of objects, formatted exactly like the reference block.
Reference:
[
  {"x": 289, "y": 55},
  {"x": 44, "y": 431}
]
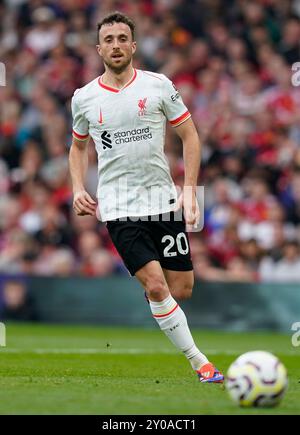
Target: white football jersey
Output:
[{"x": 128, "y": 129}]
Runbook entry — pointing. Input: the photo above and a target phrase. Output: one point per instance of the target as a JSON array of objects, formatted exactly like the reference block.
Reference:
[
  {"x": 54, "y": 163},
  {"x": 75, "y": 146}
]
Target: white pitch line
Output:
[
  {"x": 89, "y": 351},
  {"x": 129, "y": 351}
]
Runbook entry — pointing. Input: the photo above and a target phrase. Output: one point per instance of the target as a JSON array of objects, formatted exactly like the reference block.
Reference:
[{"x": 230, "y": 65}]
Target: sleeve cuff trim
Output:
[{"x": 180, "y": 119}]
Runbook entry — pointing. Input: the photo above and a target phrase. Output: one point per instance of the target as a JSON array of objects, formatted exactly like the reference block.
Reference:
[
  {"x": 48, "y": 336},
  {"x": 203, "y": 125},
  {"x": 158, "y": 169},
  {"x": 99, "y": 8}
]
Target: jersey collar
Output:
[{"x": 116, "y": 90}]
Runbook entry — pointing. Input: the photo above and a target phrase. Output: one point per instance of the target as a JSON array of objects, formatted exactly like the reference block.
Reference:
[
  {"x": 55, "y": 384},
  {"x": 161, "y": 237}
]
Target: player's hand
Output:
[
  {"x": 188, "y": 201},
  {"x": 83, "y": 204}
]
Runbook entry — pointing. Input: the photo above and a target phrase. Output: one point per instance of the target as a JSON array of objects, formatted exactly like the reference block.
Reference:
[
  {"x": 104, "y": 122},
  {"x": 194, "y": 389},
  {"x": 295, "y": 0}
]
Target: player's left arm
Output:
[
  {"x": 179, "y": 117},
  {"x": 192, "y": 157}
]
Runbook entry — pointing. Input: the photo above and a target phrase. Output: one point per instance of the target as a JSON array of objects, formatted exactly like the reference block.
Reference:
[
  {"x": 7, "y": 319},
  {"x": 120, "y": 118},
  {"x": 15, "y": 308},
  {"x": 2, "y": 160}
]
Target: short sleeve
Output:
[
  {"x": 173, "y": 106},
  {"x": 80, "y": 123}
]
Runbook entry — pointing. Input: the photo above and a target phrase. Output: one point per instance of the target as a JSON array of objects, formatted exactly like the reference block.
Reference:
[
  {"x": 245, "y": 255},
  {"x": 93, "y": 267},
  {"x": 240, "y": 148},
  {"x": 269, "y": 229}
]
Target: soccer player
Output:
[{"x": 125, "y": 112}]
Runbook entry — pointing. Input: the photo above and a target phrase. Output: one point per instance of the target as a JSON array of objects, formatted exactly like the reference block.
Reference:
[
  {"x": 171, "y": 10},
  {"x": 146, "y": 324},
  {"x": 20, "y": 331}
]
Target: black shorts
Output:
[{"x": 143, "y": 241}]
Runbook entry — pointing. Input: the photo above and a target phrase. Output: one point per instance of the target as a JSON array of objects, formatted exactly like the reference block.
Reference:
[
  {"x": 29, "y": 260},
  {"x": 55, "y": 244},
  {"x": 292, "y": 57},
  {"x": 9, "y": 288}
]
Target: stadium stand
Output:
[{"x": 232, "y": 62}]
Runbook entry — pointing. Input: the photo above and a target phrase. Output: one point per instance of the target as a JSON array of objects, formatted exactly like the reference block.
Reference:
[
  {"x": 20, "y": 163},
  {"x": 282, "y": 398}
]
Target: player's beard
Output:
[{"x": 117, "y": 69}]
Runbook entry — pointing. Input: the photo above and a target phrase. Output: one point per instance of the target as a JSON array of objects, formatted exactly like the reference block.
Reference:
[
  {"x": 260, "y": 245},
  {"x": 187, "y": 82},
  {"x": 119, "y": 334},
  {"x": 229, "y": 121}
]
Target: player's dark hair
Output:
[{"x": 117, "y": 17}]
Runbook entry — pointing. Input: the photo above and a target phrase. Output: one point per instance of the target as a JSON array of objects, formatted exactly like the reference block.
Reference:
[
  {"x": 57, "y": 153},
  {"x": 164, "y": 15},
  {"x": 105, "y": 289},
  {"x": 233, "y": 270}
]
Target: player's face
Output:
[{"x": 116, "y": 46}]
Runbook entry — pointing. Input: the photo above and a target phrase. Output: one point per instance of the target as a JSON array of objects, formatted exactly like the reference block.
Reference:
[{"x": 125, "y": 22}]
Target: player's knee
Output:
[
  {"x": 184, "y": 290},
  {"x": 156, "y": 288},
  {"x": 188, "y": 287},
  {"x": 187, "y": 291}
]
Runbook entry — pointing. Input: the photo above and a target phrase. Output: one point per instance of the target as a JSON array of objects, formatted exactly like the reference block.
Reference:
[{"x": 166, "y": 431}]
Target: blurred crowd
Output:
[{"x": 232, "y": 63}]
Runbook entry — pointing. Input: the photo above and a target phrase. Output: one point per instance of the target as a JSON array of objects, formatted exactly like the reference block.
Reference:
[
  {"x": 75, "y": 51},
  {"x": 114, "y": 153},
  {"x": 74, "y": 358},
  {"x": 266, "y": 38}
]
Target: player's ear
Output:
[
  {"x": 98, "y": 47},
  {"x": 133, "y": 47}
]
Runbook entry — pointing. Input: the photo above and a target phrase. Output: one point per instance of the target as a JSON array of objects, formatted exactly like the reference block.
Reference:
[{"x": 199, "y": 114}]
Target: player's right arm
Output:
[{"x": 83, "y": 203}]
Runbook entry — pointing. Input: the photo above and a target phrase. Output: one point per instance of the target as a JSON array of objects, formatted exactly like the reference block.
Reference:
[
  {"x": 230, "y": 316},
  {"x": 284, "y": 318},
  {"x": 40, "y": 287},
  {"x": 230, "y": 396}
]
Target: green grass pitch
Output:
[{"x": 51, "y": 369}]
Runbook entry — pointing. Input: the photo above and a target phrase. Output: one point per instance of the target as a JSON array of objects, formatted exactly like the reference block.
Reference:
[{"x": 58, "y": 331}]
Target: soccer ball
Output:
[{"x": 256, "y": 379}]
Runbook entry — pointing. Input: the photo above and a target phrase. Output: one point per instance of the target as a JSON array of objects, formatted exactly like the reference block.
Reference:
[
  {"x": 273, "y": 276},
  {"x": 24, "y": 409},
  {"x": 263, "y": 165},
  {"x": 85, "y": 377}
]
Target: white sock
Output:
[{"x": 172, "y": 321}]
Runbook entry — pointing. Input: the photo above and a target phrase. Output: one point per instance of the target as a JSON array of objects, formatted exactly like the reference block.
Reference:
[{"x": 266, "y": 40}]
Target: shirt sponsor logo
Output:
[
  {"x": 122, "y": 137},
  {"x": 106, "y": 140},
  {"x": 135, "y": 135},
  {"x": 175, "y": 96}
]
